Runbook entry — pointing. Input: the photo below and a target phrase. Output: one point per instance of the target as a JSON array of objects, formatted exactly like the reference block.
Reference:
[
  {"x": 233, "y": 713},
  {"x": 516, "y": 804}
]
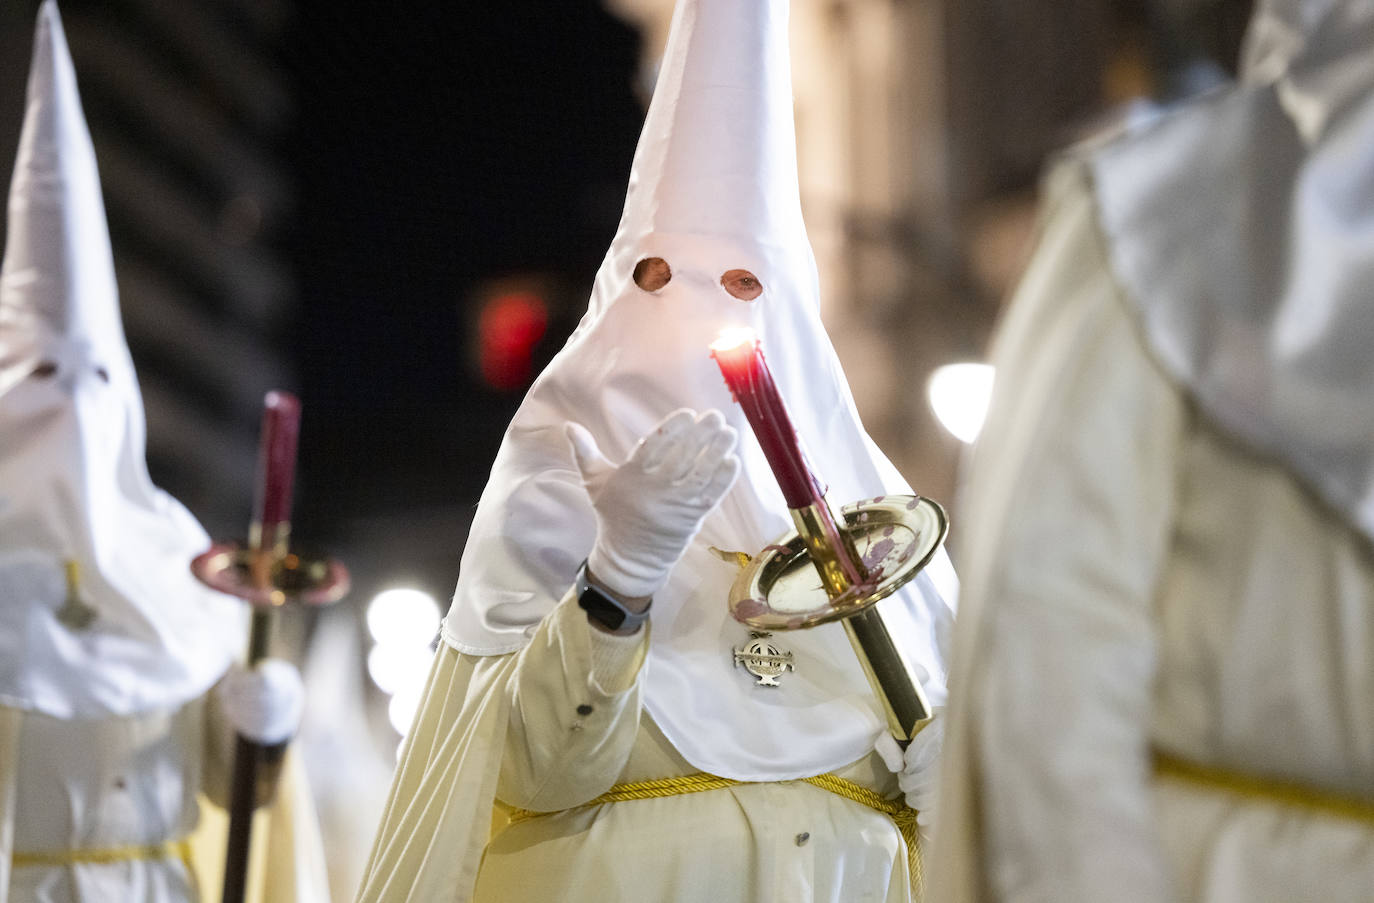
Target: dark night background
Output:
[{"x": 439, "y": 146}]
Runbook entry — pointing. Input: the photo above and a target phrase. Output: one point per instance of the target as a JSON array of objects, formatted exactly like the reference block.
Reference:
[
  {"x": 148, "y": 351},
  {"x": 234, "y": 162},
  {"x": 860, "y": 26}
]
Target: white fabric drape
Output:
[
  {"x": 1140, "y": 579},
  {"x": 1241, "y": 227}
]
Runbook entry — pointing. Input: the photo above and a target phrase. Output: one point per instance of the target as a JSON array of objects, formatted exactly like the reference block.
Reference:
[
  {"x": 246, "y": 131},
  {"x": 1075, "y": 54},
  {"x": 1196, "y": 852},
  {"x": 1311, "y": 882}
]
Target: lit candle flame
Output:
[{"x": 734, "y": 337}]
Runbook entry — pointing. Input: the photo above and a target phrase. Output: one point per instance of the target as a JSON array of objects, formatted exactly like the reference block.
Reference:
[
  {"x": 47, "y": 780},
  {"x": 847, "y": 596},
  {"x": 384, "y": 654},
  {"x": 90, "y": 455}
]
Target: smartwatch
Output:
[{"x": 602, "y": 607}]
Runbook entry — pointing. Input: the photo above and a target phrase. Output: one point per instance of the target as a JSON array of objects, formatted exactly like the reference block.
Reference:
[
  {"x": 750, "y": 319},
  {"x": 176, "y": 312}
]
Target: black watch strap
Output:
[{"x": 603, "y": 608}]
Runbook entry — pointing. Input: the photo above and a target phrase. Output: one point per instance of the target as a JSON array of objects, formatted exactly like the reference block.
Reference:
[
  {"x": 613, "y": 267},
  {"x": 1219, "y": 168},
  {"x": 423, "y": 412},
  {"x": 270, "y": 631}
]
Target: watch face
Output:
[
  {"x": 596, "y": 604},
  {"x": 603, "y": 608}
]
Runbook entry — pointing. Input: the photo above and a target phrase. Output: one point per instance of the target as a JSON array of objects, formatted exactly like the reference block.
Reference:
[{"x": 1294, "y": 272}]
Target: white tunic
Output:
[
  {"x": 106, "y": 786},
  {"x": 140, "y": 791},
  {"x": 1138, "y": 579},
  {"x": 518, "y": 727}
]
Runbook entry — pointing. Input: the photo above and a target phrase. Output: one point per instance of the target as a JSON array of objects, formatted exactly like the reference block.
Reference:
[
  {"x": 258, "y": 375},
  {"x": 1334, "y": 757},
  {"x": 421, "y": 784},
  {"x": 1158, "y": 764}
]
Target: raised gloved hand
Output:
[
  {"x": 918, "y": 769},
  {"x": 263, "y": 703},
  {"x": 649, "y": 508}
]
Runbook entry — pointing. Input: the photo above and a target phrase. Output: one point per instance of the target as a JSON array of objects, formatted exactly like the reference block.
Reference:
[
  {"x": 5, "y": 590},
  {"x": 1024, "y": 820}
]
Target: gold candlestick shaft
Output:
[{"x": 889, "y": 671}]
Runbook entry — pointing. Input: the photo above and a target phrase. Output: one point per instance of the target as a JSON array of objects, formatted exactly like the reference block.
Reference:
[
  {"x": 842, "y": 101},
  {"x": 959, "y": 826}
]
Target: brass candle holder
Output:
[
  {"x": 270, "y": 579},
  {"x": 893, "y": 537}
]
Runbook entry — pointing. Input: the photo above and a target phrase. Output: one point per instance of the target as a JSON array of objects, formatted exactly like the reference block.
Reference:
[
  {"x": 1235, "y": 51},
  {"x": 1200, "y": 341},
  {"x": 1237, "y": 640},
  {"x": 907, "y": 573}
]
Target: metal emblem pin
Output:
[
  {"x": 764, "y": 659},
  {"x": 76, "y": 613}
]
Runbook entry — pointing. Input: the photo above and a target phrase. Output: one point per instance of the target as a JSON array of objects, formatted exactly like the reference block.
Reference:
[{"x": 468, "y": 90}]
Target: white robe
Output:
[
  {"x": 1139, "y": 579},
  {"x": 510, "y": 727},
  {"x": 105, "y": 784}
]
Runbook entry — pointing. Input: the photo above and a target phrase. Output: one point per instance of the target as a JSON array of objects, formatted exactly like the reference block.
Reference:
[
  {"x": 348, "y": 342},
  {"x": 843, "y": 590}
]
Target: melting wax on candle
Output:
[
  {"x": 746, "y": 373},
  {"x": 740, "y": 358}
]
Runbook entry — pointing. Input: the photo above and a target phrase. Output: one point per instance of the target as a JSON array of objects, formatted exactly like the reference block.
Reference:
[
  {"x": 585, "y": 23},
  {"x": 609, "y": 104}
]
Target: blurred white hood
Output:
[
  {"x": 74, "y": 483},
  {"x": 1242, "y": 228}
]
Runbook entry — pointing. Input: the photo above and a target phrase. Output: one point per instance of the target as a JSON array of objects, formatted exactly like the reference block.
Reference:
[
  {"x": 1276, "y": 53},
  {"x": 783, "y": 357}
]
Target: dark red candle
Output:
[
  {"x": 741, "y": 362},
  {"x": 746, "y": 373},
  {"x": 281, "y": 421}
]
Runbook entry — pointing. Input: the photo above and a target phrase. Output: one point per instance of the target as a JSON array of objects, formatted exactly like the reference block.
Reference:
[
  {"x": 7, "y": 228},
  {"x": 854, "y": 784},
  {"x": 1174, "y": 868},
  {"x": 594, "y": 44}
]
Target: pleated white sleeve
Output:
[
  {"x": 552, "y": 725},
  {"x": 575, "y": 712}
]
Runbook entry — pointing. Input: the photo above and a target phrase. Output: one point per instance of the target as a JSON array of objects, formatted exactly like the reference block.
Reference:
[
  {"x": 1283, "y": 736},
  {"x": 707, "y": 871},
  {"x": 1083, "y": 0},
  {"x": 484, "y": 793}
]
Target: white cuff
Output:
[{"x": 616, "y": 660}]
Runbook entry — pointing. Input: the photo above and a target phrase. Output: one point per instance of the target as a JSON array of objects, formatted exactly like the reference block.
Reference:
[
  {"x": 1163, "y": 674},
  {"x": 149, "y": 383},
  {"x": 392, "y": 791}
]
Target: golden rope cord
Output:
[
  {"x": 172, "y": 849},
  {"x": 1284, "y": 793},
  {"x": 902, "y": 815}
]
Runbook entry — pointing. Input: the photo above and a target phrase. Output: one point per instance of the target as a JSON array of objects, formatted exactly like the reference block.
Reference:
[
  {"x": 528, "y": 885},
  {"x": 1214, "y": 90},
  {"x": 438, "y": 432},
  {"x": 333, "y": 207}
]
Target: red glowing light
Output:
[{"x": 508, "y": 329}]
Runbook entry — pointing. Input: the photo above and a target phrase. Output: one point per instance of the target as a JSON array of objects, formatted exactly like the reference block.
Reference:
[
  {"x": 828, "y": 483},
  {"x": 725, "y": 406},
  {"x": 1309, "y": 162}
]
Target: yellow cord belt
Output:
[
  {"x": 172, "y": 849},
  {"x": 1271, "y": 790},
  {"x": 901, "y": 814}
]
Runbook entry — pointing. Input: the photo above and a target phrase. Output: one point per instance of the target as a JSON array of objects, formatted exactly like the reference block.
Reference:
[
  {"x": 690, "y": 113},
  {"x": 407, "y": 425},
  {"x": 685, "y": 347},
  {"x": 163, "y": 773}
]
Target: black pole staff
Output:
[
  {"x": 268, "y": 575},
  {"x": 269, "y": 540}
]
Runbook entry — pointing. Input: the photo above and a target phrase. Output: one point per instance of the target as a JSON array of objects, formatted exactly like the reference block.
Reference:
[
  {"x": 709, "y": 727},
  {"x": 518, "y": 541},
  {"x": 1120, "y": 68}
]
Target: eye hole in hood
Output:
[
  {"x": 742, "y": 284},
  {"x": 47, "y": 369},
  {"x": 652, "y": 273}
]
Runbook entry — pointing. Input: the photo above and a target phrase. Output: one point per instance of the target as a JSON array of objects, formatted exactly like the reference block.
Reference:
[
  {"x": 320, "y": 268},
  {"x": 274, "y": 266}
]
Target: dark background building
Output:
[{"x": 460, "y": 174}]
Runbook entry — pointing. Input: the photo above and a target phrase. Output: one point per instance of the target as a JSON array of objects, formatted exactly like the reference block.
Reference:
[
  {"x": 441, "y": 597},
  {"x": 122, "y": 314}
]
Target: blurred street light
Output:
[{"x": 959, "y": 395}]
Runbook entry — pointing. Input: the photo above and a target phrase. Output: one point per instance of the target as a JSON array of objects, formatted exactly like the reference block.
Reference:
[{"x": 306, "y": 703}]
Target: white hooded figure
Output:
[
  {"x": 108, "y": 645},
  {"x": 1163, "y": 683},
  {"x": 542, "y": 707}
]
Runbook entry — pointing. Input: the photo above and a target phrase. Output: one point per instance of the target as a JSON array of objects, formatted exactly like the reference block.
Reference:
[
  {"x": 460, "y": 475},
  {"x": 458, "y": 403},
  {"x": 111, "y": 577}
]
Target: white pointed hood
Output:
[
  {"x": 713, "y": 189},
  {"x": 1242, "y": 227},
  {"x": 74, "y": 483}
]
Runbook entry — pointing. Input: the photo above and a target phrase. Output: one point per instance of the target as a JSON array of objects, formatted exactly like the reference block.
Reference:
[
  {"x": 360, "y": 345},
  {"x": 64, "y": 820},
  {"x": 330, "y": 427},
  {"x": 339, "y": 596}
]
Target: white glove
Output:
[
  {"x": 649, "y": 508},
  {"x": 263, "y": 703},
  {"x": 918, "y": 769}
]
